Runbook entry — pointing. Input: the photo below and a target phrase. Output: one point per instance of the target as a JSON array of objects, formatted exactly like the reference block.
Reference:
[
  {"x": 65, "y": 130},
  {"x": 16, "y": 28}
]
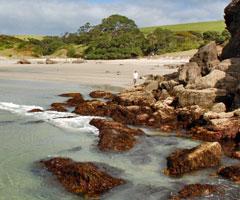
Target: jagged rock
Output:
[
  {"x": 231, "y": 172},
  {"x": 35, "y": 110},
  {"x": 101, "y": 94},
  {"x": 187, "y": 160},
  {"x": 219, "y": 108},
  {"x": 206, "y": 58},
  {"x": 72, "y": 95},
  {"x": 135, "y": 97},
  {"x": 204, "y": 98},
  {"x": 24, "y": 62},
  {"x": 81, "y": 178},
  {"x": 189, "y": 73},
  {"x": 152, "y": 85},
  {"x": 49, "y": 61},
  {"x": 232, "y": 20},
  {"x": 93, "y": 108},
  {"x": 215, "y": 79},
  {"x": 115, "y": 136},
  {"x": 168, "y": 85},
  {"x": 197, "y": 190}
]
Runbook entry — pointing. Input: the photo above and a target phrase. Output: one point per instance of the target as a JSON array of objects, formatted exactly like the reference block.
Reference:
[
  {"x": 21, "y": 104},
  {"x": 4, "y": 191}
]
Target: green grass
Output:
[
  {"x": 199, "y": 27},
  {"x": 26, "y": 37}
]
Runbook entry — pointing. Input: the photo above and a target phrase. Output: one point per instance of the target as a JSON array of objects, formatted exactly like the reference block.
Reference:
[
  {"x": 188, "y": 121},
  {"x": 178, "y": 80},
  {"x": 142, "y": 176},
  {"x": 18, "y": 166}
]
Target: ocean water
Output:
[{"x": 27, "y": 138}]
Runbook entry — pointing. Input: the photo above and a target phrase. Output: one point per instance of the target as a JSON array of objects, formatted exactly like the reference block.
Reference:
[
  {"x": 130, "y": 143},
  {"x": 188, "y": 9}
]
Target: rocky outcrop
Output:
[
  {"x": 81, "y": 178},
  {"x": 135, "y": 97},
  {"x": 187, "y": 160},
  {"x": 231, "y": 172},
  {"x": 232, "y": 20},
  {"x": 197, "y": 190},
  {"x": 215, "y": 79},
  {"x": 204, "y": 98},
  {"x": 75, "y": 99},
  {"x": 114, "y": 136},
  {"x": 206, "y": 58},
  {"x": 59, "y": 107},
  {"x": 101, "y": 94}
]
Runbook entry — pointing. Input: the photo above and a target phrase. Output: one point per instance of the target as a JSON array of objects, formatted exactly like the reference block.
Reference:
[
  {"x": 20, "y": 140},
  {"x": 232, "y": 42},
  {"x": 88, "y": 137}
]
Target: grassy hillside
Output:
[
  {"x": 26, "y": 37},
  {"x": 199, "y": 27}
]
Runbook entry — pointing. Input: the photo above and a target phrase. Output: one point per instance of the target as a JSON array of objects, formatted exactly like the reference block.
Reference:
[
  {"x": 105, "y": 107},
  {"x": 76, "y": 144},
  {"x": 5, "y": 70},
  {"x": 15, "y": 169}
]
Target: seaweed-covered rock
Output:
[
  {"x": 115, "y": 136},
  {"x": 81, "y": 178},
  {"x": 187, "y": 160},
  {"x": 230, "y": 172},
  {"x": 196, "y": 190}
]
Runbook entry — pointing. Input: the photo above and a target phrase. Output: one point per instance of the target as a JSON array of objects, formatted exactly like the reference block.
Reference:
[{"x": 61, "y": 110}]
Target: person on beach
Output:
[{"x": 135, "y": 77}]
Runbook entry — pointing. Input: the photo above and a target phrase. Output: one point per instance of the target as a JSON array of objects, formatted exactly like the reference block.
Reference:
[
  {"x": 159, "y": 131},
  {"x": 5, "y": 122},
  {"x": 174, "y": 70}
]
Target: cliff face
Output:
[{"x": 232, "y": 19}]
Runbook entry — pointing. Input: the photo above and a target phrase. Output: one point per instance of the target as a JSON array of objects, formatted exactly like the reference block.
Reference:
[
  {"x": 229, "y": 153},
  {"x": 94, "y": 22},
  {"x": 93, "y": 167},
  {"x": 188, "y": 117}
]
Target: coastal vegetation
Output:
[{"x": 116, "y": 37}]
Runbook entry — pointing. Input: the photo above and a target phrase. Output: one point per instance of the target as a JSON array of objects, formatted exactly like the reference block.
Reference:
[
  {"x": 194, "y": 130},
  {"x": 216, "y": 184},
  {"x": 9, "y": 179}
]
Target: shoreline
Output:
[{"x": 116, "y": 73}]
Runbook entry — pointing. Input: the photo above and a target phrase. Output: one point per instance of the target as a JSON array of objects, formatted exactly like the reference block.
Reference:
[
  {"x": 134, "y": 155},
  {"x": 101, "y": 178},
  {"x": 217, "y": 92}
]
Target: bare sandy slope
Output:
[{"x": 114, "y": 73}]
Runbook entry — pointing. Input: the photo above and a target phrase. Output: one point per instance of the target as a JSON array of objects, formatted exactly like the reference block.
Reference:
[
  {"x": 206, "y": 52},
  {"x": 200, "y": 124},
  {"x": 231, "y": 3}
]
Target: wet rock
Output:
[
  {"x": 75, "y": 99},
  {"x": 196, "y": 190},
  {"x": 35, "y": 110},
  {"x": 203, "y": 98},
  {"x": 230, "y": 172},
  {"x": 101, "y": 94},
  {"x": 206, "y": 58},
  {"x": 135, "y": 97},
  {"x": 50, "y": 62},
  {"x": 24, "y": 62},
  {"x": 232, "y": 20},
  {"x": 59, "y": 107},
  {"x": 115, "y": 136},
  {"x": 93, "y": 108},
  {"x": 72, "y": 95},
  {"x": 81, "y": 178},
  {"x": 187, "y": 160},
  {"x": 189, "y": 73}
]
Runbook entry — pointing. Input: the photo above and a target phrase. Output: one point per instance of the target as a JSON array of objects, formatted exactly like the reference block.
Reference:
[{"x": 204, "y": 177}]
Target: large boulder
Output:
[
  {"x": 206, "y": 58},
  {"x": 187, "y": 160},
  {"x": 81, "y": 178},
  {"x": 115, "y": 136},
  {"x": 204, "y": 98},
  {"x": 232, "y": 20},
  {"x": 215, "y": 79},
  {"x": 189, "y": 73}
]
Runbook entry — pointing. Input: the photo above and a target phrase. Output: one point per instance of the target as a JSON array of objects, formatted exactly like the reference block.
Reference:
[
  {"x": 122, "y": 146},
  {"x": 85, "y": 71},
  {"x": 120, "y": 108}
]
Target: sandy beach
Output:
[{"x": 112, "y": 72}]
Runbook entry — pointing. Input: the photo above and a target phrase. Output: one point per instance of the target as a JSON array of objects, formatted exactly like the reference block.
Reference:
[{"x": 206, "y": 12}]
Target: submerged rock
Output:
[
  {"x": 35, "y": 110},
  {"x": 114, "y": 136},
  {"x": 187, "y": 160},
  {"x": 196, "y": 190},
  {"x": 81, "y": 178},
  {"x": 231, "y": 172}
]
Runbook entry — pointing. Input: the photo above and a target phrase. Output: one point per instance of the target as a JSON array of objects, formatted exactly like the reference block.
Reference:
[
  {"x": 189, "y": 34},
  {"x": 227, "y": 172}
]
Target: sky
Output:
[{"x": 55, "y": 17}]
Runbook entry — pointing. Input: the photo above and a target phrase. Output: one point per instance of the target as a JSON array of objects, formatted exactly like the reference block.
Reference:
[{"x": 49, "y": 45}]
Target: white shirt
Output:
[{"x": 135, "y": 75}]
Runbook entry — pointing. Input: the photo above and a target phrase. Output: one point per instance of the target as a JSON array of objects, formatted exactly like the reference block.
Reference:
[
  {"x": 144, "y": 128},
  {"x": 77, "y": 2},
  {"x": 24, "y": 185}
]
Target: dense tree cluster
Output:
[{"x": 117, "y": 37}]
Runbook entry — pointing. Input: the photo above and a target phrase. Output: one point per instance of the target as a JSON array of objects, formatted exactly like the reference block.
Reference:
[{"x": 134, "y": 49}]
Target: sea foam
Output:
[{"x": 63, "y": 120}]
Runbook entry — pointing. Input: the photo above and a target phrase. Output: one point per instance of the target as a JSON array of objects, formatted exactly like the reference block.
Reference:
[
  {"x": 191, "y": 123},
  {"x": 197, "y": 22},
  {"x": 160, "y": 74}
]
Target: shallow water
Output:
[{"x": 26, "y": 138}]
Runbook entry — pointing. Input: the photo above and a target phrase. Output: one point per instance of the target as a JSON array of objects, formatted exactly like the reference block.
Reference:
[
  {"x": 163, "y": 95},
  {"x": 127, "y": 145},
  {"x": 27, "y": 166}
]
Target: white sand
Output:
[{"x": 113, "y": 72}]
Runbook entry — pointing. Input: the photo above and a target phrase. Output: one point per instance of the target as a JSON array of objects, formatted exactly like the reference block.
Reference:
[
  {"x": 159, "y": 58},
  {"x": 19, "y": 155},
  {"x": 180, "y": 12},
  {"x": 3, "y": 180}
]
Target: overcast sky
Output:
[{"x": 58, "y": 16}]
